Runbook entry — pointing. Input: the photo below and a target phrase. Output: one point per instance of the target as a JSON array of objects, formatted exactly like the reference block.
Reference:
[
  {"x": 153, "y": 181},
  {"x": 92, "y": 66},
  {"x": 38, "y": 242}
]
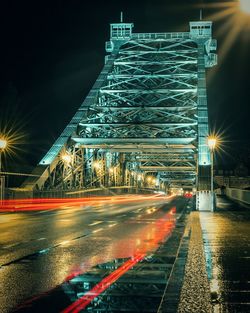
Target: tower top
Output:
[
  {"x": 200, "y": 29},
  {"x": 121, "y": 30}
]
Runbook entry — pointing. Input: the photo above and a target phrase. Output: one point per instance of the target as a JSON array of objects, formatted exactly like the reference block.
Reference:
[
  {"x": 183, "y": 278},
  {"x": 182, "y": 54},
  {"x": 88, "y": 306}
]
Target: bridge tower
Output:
[{"x": 144, "y": 123}]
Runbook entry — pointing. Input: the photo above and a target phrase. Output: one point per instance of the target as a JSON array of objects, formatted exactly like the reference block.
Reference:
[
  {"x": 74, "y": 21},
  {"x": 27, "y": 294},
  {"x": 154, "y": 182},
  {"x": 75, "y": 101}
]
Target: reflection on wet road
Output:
[
  {"x": 227, "y": 247},
  {"x": 41, "y": 249}
]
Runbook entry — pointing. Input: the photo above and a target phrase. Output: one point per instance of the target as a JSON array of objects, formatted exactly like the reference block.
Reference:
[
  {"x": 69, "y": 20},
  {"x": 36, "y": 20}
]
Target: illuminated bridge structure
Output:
[{"x": 144, "y": 123}]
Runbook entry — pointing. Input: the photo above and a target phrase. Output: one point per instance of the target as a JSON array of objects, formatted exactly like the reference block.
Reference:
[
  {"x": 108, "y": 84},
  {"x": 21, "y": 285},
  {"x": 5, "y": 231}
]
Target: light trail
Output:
[
  {"x": 105, "y": 283},
  {"x": 59, "y": 203}
]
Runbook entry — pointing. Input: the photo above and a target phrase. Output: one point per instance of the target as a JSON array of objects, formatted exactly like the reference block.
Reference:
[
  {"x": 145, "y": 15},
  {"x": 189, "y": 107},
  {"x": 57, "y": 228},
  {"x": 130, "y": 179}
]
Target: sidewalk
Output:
[{"x": 188, "y": 289}]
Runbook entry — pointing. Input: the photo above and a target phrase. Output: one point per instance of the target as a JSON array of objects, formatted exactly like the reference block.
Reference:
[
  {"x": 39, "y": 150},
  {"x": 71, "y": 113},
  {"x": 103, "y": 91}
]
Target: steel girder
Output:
[{"x": 150, "y": 97}]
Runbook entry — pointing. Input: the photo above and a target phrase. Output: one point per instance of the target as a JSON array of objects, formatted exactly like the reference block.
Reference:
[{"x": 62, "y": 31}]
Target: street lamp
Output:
[
  {"x": 3, "y": 145},
  {"x": 212, "y": 141}
]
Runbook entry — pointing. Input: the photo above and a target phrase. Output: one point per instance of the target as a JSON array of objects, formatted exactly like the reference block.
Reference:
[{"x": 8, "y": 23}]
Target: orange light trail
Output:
[{"x": 58, "y": 203}]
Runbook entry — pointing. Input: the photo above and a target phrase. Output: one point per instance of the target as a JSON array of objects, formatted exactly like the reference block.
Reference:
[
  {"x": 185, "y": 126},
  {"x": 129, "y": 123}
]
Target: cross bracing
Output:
[{"x": 146, "y": 116}]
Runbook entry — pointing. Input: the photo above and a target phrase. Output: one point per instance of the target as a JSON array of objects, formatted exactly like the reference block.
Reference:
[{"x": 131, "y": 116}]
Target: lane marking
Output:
[
  {"x": 97, "y": 230},
  {"x": 111, "y": 225},
  {"x": 95, "y": 223},
  {"x": 65, "y": 242}
]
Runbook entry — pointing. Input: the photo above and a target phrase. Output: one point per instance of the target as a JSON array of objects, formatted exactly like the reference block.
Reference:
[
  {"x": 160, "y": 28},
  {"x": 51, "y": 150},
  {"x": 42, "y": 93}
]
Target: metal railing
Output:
[
  {"x": 76, "y": 193},
  {"x": 181, "y": 35}
]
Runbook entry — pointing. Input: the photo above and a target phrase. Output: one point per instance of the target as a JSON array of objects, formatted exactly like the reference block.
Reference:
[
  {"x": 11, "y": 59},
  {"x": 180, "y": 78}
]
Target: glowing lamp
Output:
[
  {"x": 67, "y": 158},
  {"x": 97, "y": 164},
  {"x": 3, "y": 144},
  {"x": 245, "y": 6},
  {"x": 111, "y": 170},
  {"x": 149, "y": 179},
  {"x": 212, "y": 142}
]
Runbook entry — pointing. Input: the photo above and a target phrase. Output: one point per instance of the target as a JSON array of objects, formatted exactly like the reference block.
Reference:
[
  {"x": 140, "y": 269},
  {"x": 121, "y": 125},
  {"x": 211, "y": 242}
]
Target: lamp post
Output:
[
  {"x": 3, "y": 145},
  {"x": 212, "y": 141}
]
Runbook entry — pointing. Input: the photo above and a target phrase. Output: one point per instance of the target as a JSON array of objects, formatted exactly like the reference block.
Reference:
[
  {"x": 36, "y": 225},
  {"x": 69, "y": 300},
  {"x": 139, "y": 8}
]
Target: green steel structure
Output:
[{"x": 144, "y": 123}]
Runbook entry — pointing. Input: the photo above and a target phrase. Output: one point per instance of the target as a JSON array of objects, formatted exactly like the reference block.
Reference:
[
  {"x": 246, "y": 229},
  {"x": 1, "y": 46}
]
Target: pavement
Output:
[{"x": 226, "y": 238}]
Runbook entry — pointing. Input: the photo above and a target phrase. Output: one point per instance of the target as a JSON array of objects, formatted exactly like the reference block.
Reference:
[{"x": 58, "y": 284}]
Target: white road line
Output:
[
  {"x": 65, "y": 242},
  {"x": 95, "y": 223},
  {"x": 111, "y": 225},
  {"x": 97, "y": 230}
]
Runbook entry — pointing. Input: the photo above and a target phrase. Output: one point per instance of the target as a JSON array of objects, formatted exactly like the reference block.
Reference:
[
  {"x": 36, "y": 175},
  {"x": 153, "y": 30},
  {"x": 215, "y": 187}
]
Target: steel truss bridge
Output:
[{"x": 144, "y": 123}]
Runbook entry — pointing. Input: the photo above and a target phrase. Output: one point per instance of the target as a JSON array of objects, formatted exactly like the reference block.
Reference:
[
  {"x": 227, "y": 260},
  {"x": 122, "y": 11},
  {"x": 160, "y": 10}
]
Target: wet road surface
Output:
[
  {"x": 39, "y": 250},
  {"x": 226, "y": 235}
]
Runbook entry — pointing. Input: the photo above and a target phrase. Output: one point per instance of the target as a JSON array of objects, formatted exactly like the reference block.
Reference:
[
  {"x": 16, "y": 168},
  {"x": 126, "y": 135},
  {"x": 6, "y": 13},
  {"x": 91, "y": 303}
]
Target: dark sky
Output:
[{"x": 52, "y": 52}]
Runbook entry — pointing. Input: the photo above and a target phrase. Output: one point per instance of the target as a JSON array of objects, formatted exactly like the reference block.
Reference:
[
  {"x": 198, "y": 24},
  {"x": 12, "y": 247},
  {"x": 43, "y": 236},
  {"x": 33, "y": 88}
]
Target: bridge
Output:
[
  {"x": 142, "y": 128},
  {"x": 144, "y": 123}
]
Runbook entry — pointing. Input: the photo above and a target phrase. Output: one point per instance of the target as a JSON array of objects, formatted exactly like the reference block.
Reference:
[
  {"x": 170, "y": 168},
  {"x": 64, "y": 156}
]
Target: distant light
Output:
[
  {"x": 3, "y": 143},
  {"x": 97, "y": 164},
  {"x": 245, "y": 6},
  {"x": 149, "y": 179},
  {"x": 67, "y": 158}
]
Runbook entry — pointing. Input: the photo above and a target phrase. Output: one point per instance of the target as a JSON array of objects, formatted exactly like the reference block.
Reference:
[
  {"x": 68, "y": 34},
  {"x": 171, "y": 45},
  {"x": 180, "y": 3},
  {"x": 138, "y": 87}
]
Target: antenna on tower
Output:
[
  {"x": 200, "y": 14},
  {"x": 121, "y": 17}
]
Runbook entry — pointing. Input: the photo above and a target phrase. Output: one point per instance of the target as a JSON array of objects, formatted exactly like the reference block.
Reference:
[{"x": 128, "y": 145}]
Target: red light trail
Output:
[
  {"x": 58, "y": 203},
  {"x": 105, "y": 283}
]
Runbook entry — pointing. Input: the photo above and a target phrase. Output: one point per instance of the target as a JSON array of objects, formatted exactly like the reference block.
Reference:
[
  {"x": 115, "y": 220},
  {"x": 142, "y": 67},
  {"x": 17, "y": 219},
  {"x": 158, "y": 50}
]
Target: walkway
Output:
[{"x": 226, "y": 236}]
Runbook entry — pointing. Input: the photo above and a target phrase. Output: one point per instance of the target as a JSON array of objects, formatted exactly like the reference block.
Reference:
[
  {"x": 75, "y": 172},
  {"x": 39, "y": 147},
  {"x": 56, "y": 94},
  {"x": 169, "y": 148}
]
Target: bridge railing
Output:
[
  {"x": 160, "y": 35},
  {"x": 76, "y": 193},
  {"x": 239, "y": 195}
]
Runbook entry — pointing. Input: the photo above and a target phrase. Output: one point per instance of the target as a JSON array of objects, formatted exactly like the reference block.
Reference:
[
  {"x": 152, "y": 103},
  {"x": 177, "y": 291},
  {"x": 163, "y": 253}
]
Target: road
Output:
[{"x": 41, "y": 247}]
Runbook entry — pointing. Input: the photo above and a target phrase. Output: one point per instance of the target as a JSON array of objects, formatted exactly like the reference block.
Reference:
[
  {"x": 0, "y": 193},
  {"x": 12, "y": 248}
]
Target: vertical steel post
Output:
[
  {"x": 212, "y": 181},
  {"x": 2, "y": 179}
]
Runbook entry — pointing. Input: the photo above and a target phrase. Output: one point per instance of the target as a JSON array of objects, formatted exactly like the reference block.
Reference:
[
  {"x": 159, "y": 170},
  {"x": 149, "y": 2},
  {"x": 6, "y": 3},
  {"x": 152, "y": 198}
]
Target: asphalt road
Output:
[{"x": 40, "y": 249}]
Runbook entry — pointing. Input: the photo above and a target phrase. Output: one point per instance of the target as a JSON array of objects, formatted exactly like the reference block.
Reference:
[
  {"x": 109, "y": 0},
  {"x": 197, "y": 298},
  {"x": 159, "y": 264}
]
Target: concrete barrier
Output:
[{"x": 239, "y": 195}]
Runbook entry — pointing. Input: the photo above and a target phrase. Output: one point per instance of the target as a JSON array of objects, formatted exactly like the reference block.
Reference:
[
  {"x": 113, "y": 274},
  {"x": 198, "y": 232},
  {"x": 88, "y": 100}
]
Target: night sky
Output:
[{"x": 52, "y": 52}]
